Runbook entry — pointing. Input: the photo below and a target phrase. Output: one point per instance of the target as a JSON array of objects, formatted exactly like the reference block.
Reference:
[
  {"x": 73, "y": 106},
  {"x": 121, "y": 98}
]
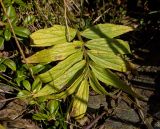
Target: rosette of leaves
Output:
[{"x": 81, "y": 64}]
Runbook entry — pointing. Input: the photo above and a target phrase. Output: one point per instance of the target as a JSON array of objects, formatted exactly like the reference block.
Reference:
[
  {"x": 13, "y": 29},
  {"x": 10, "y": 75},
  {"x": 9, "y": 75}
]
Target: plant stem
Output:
[{"x": 16, "y": 40}]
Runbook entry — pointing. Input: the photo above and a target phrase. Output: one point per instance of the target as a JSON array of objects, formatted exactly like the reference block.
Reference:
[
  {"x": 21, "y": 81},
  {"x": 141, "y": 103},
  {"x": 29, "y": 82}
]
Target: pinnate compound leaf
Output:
[
  {"x": 105, "y": 31},
  {"x": 52, "y": 36},
  {"x": 107, "y": 60},
  {"x": 55, "y": 53},
  {"x": 59, "y": 69},
  {"x": 109, "y": 78},
  {"x": 116, "y": 46},
  {"x": 80, "y": 100}
]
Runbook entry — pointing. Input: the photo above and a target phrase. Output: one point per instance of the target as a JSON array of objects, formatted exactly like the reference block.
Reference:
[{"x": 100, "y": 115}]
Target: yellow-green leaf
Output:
[
  {"x": 57, "y": 52},
  {"x": 61, "y": 67},
  {"x": 109, "y": 78},
  {"x": 107, "y": 60},
  {"x": 80, "y": 100},
  {"x": 105, "y": 31},
  {"x": 57, "y": 84},
  {"x": 61, "y": 81},
  {"x": 70, "y": 90},
  {"x": 116, "y": 46},
  {"x": 96, "y": 86},
  {"x": 27, "y": 84},
  {"x": 51, "y": 36}
]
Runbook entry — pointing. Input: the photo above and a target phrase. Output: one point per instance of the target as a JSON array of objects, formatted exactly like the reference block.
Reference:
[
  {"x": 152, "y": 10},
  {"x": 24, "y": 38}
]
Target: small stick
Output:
[{"x": 94, "y": 121}]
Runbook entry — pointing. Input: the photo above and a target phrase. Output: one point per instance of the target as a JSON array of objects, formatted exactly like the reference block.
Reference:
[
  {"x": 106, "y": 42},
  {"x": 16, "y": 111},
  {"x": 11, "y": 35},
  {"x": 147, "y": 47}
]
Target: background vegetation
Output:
[{"x": 19, "y": 19}]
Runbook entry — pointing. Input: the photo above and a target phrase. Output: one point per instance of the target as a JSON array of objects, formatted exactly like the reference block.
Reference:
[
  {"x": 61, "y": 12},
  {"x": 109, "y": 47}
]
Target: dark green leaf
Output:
[
  {"x": 11, "y": 12},
  {"x": 10, "y": 63},
  {"x": 2, "y": 68},
  {"x": 7, "y": 35},
  {"x": 21, "y": 31},
  {"x": 1, "y": 32},
  {"x": 29, "y": 20},
  {"x": 1, "y": 43}
]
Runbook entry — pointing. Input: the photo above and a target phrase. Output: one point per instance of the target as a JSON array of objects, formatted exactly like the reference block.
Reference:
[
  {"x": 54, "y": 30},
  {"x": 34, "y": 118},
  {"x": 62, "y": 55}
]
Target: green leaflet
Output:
[
  {"x": 96, "y": 86},
  {"x": 116, "y": 46},
  {"x": 1, "y": 43},
  {"x": 59, "y": 69},
  {"x": 80, "y": 100},
  {"x": 109, "y": 78},
  {"x": 105, "y": 31},
  {"x": 107, "y": 60},
  {"x": 52, "y": 36},
  {"x": 21, "y": 31},
  {"x": 30, "y": 19},
  {"x": 37, "y": 85},
  {"x": 53, "y": 106},
  {"x": 57, "y": 52},
  {"x": 11, "y": 12},
  {"x": 2, "y": 68},
  {"x": 7, "y": 34},
  {"x": 57, "y": 84},
  {"x": 10, "y": 63},
  {"x": 27, "y": 85}
]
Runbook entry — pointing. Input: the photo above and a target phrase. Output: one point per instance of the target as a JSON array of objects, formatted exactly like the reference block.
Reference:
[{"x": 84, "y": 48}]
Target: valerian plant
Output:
[{"x": 82, "y": 64}]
